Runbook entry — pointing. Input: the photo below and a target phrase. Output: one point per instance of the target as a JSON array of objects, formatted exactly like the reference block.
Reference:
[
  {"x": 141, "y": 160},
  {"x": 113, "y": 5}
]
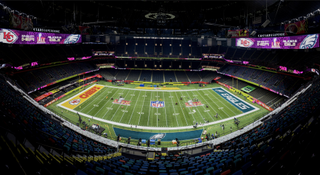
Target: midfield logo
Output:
[
  {"x": 157, "y": 104},
  {"x": 121, "y": 102}
]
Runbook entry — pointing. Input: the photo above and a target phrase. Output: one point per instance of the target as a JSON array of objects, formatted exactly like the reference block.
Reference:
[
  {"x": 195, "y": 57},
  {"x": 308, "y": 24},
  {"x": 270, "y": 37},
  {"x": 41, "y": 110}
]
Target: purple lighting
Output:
[
  {"x": 34, "y": 63},
  {"x": 71, "y": 58}
]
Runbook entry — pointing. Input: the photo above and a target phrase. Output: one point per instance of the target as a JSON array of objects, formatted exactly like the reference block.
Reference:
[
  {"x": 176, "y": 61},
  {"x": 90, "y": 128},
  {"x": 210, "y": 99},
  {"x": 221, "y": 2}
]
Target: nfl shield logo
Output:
[{"x": 157, "y": 104}]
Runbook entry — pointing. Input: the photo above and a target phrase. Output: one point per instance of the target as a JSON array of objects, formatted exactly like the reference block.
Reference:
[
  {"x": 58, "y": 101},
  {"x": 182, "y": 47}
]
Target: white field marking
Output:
[
  {"x": 120, "y": 93},
  {"x": 104, "y": 106},
  {"x": 109, "y": 108},
  {"x": 98, "y": 103},
  {"x": 142, "y": 108},
  {"x": 109, "y": 92},
  {"x": 181, "y": 107},
  {"x": 220, "y": 108},
  {"x": 157, "y": 109},
  {"x": 134, "y": 107},
  {"x": 157, "y": 114},
  {"x": 195, "y": 95},
  {"x": 199, "y": 106},
  {"x": 207, "y": 103},
  {"x": 128, "y": 106},
  {"x": 119, "y": 106},
  {"x": 227, "y": 102},
  {"x": 90, "y": 102},
  {"x": 206, "y": 94},
  {"x": 174, "y": 110},
  {"x": 165, "y": 111},
  {"x": 124, "y": 111},
  {"x": 175, "y": 114},
  {"x": 149, "y": 111},
  {"x": 183, "y": 96},
  {"x": 144, "y": 96},
  {"x": 206, "y": 110},
  {"x": 170, "y": 96},
  {"x": 140, "y": 113},
  {"x": 192, "y": 112}
]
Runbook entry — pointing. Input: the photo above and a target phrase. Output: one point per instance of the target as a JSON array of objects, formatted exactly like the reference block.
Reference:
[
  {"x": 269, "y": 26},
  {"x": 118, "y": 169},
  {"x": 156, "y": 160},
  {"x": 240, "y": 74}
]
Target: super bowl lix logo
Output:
[
  {"x": 74, "y": 102},
  {"x": 157, "y": 104}
]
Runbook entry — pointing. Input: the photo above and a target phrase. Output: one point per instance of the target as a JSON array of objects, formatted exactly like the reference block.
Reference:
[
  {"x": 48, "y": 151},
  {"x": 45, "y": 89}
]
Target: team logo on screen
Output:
[
  {"x": 8, "y": 36},
  {"x": 244, "y": 42},
  {"x": 309, "y": 41},
  {"x": 75, "y": 102},
  {"x": 157, "y": 104},
  {"x": 72, "y": 39}
]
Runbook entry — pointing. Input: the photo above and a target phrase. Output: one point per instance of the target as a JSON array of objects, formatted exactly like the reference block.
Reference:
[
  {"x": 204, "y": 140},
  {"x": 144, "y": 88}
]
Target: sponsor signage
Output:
[
  {"x": 121, "y": 102},
  {"x": 270, "y": 35},
  {"x": 288, "y": 42},
  {"x": 9, "y": 36},
  {"x": 248, "y": 89},
  {"x": 79, "y": 99}
]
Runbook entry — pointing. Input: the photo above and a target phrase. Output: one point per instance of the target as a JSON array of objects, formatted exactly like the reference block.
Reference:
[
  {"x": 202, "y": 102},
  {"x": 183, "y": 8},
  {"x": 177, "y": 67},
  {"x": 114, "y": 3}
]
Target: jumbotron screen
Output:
[
  {"x": 9, "y": 36},
  {"x": 288, "y": 42}
]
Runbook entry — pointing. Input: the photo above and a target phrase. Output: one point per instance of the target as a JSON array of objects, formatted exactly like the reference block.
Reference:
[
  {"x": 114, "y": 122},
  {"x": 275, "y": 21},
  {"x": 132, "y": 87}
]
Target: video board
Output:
[
  {"x": 9, "y": 36},
  {"x": 288, "y": 42}
]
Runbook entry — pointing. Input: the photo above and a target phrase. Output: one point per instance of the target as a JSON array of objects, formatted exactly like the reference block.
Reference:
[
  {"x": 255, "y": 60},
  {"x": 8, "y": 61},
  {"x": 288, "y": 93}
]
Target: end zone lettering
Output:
[{"x": 89, "y": 92}]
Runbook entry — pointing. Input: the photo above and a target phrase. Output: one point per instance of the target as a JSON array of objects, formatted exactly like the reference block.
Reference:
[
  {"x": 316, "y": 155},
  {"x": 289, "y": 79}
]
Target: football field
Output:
[{"x": 157, "y": 108}]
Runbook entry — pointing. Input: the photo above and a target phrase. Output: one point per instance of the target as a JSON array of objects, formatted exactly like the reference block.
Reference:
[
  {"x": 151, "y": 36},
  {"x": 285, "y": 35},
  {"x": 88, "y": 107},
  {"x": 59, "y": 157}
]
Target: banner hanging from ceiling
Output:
[
  {"x": 296, "y": 28},
  {"x": 9, "y": 36},
  {"x": 288, "y": 42}
]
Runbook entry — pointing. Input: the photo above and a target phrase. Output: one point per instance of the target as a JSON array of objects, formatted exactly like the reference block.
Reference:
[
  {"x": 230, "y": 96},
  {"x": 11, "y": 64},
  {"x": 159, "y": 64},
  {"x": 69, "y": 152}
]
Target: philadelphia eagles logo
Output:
[
  {"x": 74, "y": 102},
  {"x": 72, "y": 39},
  {"x": 158, "y": 136},
  {"x": 309, "y": 41}
]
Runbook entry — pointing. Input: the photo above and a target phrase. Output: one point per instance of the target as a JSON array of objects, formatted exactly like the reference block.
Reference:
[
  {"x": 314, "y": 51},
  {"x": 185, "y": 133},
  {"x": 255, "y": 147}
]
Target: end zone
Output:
[{"x": 78, "y": 99}]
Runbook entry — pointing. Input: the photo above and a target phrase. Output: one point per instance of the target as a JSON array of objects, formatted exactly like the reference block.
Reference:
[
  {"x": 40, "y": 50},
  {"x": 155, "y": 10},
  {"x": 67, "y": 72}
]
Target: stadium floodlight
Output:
[{"x": 253, "y": 33}]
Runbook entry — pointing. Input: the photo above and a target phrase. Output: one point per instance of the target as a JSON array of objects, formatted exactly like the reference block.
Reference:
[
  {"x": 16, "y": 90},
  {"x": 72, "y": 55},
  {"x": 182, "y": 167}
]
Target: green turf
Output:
[{"x": 141, "y": 113}]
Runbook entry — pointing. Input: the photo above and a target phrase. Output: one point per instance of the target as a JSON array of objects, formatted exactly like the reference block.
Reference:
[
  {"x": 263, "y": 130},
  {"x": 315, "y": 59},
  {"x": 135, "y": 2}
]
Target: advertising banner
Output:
[
  {"x": 299, "y": 27},
  {"x": 238, "y": 33},
  {"x": 9, "y": 36},
  {"x": 288, "y": 42}
]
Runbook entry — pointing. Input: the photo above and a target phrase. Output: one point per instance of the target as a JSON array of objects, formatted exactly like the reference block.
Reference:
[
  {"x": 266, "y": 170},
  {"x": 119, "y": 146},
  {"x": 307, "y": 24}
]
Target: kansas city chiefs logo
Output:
[
  {"x": 244, "y": 42},
  {"x": 74, "y": 102},
  {"x": 8, "y": 36}
]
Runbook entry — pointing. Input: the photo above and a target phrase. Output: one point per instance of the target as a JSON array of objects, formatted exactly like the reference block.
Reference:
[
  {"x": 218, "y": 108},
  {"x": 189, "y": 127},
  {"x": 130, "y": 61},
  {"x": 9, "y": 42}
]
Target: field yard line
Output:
[
  {"x": 208, "y": 105},
  {"x": 149, "y": 111},
  {"x": 119, "y": 106},
  {"x": 133, "y": 108},
  {"x": 142, "y": 107},
  {"x": 223, "y": 103},
  {"x": 91, "y": 102},
  {"x": 199, "y": 111},
  {"x": 157, "y": 110},
  {"x": 93, "y": 108},
  {"x": 186, "y": 108},
  {"x": 175, "y": 111},
  {"x": 165, "y": 111},
  {"x": 107, "y": 103}
]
